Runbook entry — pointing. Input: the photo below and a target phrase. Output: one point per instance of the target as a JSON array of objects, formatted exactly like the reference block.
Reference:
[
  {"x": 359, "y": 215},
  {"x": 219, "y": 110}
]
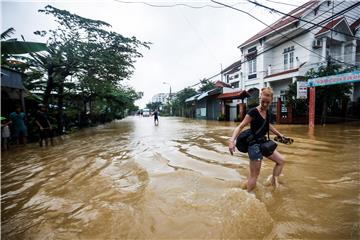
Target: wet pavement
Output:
[{"x": 131, "y": 179}]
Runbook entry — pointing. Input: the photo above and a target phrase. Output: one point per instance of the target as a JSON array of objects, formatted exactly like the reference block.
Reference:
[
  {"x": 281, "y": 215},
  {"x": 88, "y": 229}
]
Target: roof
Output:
[
  {"x": 355, "y": 25},
  {"x": 211, "y": 92},
  {"x": 282, "y": 73},
  {"x": 193, "y": 98},
  {"x": 330, "y": 25},
  {"x": 222, "y": 84},
  {"x": 234, "y": 65},
  {"x": 202, "y": 95},
  {"x": 234, "y": 95},
  {"x": 284, "y": 21},
  {"x": 11, "y": 79}
]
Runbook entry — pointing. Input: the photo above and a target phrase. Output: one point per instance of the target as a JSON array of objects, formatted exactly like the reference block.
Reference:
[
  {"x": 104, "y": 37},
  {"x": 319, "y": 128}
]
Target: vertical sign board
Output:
[
  {"x": 301, "y": 87},
  {"x": 312, "y": 108},
  {"x": 324, "y": 81}
]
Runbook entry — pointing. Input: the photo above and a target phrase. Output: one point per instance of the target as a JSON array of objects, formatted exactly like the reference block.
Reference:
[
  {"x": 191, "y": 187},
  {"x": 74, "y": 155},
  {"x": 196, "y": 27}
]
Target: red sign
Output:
[{"x": 312, "y": 108}]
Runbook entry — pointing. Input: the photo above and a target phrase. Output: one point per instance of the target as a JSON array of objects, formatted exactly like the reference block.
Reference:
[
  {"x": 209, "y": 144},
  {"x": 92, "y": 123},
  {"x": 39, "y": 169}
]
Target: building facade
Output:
[
  {"x": 160, "y": 97},
  {"x": 285, "y": 51}
]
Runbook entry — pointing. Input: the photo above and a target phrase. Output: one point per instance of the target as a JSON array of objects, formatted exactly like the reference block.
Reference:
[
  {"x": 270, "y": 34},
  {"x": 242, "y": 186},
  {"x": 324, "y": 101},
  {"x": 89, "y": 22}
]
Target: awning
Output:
[
  {"x": 193, "y": 98},
  {"x": 205, "y": 94},
  {"x": 11, "y": 79},
  {"x": 234, "y": 95}
]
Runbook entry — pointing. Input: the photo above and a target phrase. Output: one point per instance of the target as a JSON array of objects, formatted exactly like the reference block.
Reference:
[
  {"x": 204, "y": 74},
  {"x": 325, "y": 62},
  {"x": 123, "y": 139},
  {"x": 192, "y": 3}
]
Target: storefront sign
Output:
[
  {"x": 335, "y": 79},
  {"x": 301, "y": 90}
]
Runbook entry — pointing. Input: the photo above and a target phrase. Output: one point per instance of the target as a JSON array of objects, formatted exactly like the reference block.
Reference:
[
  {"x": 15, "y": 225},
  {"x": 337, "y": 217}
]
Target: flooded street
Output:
[{"x": 131, "y": 179}]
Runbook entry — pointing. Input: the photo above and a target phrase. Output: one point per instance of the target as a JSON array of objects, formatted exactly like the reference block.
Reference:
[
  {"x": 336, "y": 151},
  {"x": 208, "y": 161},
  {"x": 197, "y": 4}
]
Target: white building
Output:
[
  {"x": 232, "y": 74},
  {"x": 285, "y": 51},
  {"x": 160, "y": 97}
]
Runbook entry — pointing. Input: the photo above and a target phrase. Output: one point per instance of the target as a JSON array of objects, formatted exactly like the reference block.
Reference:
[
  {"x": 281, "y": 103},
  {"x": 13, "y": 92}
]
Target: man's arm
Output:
[
  {"x": 37, "y": 122},
  {"x": 49, "y": 124}
]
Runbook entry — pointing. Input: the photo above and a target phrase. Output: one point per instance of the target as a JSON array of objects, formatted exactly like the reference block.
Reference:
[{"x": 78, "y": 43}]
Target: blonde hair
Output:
[{"x": 267, "y": 92}]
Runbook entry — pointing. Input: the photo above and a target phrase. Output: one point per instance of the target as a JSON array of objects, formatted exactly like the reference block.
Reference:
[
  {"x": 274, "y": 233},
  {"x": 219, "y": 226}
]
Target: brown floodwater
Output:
[{"x": 131, "y": 179}]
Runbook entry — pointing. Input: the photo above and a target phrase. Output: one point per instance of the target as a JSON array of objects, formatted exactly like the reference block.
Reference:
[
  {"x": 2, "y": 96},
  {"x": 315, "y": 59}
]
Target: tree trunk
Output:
[
  {"x": 49, "y": 85},
  {"x": 60, "y": 106}
]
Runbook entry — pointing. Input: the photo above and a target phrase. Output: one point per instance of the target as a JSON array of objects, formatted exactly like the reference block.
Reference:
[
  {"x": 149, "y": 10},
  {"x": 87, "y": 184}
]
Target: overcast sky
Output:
[{"x": 188, "y": 44}]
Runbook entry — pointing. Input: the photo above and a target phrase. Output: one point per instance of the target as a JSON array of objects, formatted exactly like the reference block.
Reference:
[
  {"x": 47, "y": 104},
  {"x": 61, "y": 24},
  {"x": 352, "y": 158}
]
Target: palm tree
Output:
[{"x": 12, "y": 46}]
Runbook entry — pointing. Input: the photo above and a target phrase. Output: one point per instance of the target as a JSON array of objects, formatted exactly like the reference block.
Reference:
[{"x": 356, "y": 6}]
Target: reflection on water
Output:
[{"x": 131, "y": 179}]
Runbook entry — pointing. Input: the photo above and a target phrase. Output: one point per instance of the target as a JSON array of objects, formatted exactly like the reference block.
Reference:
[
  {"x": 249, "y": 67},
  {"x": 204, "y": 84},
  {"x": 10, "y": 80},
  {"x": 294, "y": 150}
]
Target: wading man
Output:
[
  {"x": 156, "y": 117},
  {"x": 44, "y": 126}
]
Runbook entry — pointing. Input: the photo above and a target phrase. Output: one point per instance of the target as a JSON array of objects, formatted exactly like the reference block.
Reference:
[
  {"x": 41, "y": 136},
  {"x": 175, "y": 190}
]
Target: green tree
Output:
[
  {"x": 9, "y": 47},
  {"x": 206, "y": 85},
  {"x": 329, "y": 95},
  {"x": 84, "y": 54},
  {"x": 154, "y": 105},
  {"x": 178, "y": 103},
  {"x": 300, "y": 106}
]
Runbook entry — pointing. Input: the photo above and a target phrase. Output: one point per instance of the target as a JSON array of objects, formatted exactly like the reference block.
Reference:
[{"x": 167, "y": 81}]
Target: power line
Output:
[
  {"x": 287, "y": 4},
  {"x": 177, "y": 5},
  {"x": 277, "y": 31},
  {"x": 297, "y": 35},
  {"x": 300, "y": 19},
  {"x": 199, "y": 37},
  {"x": 293, "y": 5}
]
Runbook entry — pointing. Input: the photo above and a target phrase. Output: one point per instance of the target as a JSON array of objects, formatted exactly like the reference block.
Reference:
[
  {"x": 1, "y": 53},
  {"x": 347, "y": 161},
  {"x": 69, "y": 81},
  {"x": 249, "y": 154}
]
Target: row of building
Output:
[{"x": 306, "y": 38}]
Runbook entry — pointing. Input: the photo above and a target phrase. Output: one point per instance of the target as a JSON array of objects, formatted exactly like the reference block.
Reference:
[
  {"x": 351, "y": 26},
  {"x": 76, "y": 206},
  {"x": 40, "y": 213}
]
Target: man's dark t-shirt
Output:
[
  {"x": 42, "y": 118},
  {"x": 257, "y": 122}
]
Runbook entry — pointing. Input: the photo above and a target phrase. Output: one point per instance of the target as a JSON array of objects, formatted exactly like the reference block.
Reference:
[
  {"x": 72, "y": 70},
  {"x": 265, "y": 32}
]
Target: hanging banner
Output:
[
  {"x": 335, "y": 79},
  {"x": 301, "y": 90}
]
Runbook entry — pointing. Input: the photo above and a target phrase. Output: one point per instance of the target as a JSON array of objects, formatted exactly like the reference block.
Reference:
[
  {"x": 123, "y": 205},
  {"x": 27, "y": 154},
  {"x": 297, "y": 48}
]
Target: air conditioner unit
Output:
[{"x": 317, "y": 43}]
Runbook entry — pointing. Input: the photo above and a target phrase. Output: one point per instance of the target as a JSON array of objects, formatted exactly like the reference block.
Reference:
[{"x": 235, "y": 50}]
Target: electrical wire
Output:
[
  {"x": 287, "y": 4},
  {"x": 176, "y": 5},
  {"x": 303, "y": 20},
  {"x": 277, "y": 31},
  {"x": 306, "y": 30},
  {"x": 288, "y": 39},
  {"x": 293, "y": 5}
]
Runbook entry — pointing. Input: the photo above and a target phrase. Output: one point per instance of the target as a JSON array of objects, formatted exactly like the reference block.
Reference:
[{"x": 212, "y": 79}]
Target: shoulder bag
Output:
[
  {"x": 268, "y": 147},
  {"x": 245, "y": 137}
]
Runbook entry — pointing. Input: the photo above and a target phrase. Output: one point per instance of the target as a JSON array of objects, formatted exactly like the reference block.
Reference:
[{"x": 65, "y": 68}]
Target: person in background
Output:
[
  {"x": 45, "y": 128},
  {"x": 256, "y": 117},
  {"x": 156, "y": 117},
  {"x": 5, "y": 133},
  {"x": 18, "y": 119}
]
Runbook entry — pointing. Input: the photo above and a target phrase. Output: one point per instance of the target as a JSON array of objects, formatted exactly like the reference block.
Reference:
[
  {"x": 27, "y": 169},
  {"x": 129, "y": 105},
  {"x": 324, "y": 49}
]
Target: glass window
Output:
[
  {"x": 291, "y": 58},
  {"x": 288, "y": 60},
  {"x": 286, "y": 56},
  {"x": 252, "y": 66}
]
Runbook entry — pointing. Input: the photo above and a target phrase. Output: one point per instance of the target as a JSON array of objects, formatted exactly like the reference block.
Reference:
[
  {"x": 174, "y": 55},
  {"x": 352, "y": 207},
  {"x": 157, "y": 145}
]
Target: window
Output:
[
  {"x": 291, "y": 58},
  {"x": 235, "y": 85},
  {"x": 286, "y": 61},
  {"x": 252, "y": 66},
  {"x": 288, "y": 58}
]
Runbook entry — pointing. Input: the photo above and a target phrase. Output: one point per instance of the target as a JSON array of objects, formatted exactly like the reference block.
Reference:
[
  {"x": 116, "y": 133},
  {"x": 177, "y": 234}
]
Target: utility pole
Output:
[
  {"x": 169, "y": 98},
  {"x": 221, "y": 72}
]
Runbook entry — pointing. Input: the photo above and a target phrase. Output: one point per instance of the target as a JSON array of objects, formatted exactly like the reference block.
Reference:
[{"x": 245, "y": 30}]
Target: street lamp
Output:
[{"x": 169, "y": 97}]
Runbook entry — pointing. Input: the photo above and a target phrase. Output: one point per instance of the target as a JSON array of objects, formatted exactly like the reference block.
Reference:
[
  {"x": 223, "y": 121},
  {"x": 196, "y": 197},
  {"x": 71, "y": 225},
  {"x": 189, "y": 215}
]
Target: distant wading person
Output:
[
  {"x": 156, "y": 117},
  {"x": 18, "y": 119},
  {"x": 44, "y": 126},
  {"x": 256, "y": 117}
]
